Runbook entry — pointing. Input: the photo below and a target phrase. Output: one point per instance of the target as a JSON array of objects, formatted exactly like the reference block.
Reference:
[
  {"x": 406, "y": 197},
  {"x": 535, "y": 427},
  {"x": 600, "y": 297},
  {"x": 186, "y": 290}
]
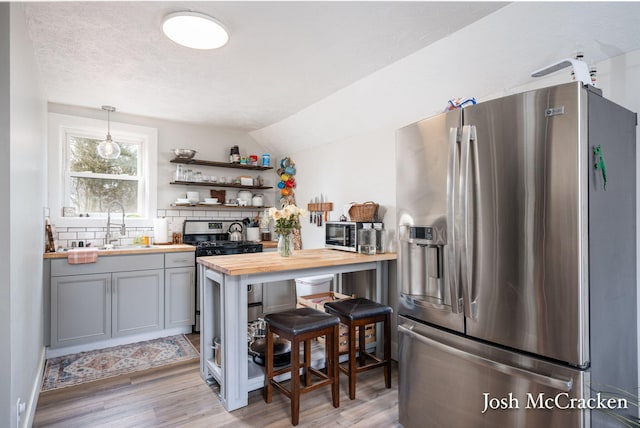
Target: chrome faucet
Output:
[{"x": 123, "y": 230}]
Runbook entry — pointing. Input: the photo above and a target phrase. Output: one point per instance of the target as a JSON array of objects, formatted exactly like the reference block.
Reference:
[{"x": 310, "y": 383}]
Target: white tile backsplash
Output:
[
  {"x": 176, "y": 218},
  {"x": 86, "y": 235},
  {"x": 67, "y": 235}
]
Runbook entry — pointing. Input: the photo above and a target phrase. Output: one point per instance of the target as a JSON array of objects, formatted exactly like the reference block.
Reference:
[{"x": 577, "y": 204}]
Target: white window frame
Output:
[{"x": 59, "y": 178}]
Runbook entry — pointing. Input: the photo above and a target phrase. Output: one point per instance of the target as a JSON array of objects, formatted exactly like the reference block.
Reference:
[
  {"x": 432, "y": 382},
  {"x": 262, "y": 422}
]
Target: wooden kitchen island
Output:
[{"x": 223, "y": 282}]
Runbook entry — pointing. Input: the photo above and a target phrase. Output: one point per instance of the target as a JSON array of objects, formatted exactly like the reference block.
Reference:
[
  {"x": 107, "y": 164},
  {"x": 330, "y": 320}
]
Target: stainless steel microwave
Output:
[{"x": 343, "y": 235}]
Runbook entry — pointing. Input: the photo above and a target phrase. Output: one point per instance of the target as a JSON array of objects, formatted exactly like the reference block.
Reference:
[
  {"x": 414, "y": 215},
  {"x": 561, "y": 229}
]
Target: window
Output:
[
  {"x": 82, "y": 180},
  {"x": 93, "y": 182}
]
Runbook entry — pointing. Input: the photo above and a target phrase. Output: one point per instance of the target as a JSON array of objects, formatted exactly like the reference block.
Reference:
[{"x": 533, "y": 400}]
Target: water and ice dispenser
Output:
[{"x": 422, "y": 265}]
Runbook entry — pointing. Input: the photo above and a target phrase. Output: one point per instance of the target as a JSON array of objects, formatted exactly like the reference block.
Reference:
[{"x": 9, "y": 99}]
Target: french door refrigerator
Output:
[{"x": 517, "y": 263}]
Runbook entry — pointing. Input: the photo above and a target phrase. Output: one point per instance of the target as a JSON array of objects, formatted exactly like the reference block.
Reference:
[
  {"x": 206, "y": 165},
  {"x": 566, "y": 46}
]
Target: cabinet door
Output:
[
  {"x": 138, "y": 302},
  {"x": 180, "y": 297},
  {"x": 278, "y": 296},
  {"x": 80, "y": 309}
]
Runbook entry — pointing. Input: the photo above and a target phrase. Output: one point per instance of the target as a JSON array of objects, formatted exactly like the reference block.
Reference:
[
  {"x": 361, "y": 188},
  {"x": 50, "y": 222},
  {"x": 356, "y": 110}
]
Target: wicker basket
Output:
[{"x": 364, "y": 212}]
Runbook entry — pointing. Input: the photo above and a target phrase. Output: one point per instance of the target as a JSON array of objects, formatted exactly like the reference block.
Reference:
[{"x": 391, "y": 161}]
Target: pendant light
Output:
[
  {"x": 108, "y": 149},
  {"x": 195, "y": 30}
]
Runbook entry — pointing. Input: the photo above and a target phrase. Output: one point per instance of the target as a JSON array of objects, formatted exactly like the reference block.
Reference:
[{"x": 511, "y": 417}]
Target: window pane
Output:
[
  {"x": 92, "y": 195},
  {"x": 83, "y": 157}
]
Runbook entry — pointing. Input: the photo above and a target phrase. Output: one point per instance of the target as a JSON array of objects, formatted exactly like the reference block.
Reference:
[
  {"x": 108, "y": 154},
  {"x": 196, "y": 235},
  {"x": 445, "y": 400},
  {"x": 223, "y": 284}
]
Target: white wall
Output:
[
  {"x": 5, "y": 284},
  {"x": 25, "y": 235},
  {"x": 355, "y": 169}
]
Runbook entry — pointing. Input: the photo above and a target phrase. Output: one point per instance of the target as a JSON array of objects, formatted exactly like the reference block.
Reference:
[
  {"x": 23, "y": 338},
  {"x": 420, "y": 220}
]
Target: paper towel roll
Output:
[
  {"x": 253, "y": 234},
  {"x": 160, "y": 231}
]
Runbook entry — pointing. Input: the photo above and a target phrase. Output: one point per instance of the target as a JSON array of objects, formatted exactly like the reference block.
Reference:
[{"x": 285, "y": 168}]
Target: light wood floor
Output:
[{"x": 176, "y": 396}]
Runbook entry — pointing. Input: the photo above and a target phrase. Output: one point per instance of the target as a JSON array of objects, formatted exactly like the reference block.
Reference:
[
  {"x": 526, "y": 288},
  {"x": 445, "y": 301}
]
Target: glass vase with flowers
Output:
[{"x": 287, "y": 220}]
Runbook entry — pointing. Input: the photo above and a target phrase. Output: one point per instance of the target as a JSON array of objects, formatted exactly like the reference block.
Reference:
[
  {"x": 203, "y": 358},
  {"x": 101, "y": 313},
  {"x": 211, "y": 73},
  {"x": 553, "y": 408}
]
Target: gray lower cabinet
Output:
[
  {"x": 180, "y": 296},
  {"x": 137, "y": 302},
  {"x": 117, "y": 296},
  {"x": 80, "y": 309},
  {"x": 179, "y": 289}
]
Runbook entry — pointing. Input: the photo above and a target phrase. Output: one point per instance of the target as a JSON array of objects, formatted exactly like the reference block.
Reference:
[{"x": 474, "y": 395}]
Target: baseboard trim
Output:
[{"x": 32, "y": 404}]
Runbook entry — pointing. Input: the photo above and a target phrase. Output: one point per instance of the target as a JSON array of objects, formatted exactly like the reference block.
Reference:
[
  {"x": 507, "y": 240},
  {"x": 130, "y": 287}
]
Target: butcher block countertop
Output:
[
  {"x": 119, "y": 251},
  {"x": 246, "y": 264}
]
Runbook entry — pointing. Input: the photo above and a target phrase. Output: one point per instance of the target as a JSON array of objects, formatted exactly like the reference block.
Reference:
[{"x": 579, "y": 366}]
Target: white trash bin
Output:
[{"x": 313, "y": 285}]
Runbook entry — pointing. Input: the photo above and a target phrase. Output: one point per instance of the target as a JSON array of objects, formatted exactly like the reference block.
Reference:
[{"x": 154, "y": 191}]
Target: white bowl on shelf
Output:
[{"x": 193, "y": 197}]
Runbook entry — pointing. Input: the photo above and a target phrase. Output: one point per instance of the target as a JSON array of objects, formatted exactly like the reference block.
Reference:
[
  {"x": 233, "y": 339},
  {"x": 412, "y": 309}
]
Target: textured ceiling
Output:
[{"x": 281, "y": 57}]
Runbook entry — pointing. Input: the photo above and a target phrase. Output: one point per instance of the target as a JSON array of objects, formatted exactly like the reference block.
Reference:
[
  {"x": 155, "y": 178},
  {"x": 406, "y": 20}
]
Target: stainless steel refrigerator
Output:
[{"x": 517, "y": 263}]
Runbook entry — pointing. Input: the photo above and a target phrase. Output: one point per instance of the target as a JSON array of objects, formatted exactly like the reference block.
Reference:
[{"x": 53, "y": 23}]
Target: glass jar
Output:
[
  {"x": 179, "y": 172},
  {"x": 367, "y": 239},
  {"x": 380, "y": 239}
]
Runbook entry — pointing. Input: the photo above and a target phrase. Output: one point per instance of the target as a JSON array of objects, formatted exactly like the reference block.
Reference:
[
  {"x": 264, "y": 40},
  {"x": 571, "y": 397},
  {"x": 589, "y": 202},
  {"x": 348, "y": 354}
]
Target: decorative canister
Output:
[{"x": 257, "y": 201}]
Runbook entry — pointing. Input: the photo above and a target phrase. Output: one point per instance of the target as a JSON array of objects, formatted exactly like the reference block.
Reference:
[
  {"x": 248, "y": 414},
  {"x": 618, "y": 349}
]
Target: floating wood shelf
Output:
[
  {"x": 219, "y": 206},
  {"x": 221, "y": 164},
  {"x": 212, "y": 184}
]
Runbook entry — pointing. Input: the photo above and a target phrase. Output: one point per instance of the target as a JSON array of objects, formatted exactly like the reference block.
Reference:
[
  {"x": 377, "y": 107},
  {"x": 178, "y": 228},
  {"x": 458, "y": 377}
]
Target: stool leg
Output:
[
  {"x": 352, "y": 360},
  {"x": 268, "y": 357},
  {"x": 332, "y": 365},
  {"x": 307, "y": 362},
  {"x": 387, "y": 351},
  {"x": 295, "y": 381},
  {"x": 361, "y": 339}
]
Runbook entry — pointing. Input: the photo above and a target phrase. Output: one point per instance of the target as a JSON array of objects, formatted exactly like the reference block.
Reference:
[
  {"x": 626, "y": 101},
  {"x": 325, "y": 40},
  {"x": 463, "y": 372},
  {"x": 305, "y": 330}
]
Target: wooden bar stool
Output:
[
  {"x": 300, "y": 326},
  {"x": 358, "y": 312}
]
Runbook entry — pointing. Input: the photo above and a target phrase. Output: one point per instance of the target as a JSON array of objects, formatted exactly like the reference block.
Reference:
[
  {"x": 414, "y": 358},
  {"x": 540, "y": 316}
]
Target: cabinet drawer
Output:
[
  {"x": 61, "y": 267},
  {"x": 185, "y": 259}
]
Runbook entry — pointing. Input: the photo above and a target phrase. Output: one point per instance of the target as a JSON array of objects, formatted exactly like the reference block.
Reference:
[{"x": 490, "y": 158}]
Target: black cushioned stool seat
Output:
[
  {"x": 357, "y": 313},
  {"x": 300, "y": 326}
]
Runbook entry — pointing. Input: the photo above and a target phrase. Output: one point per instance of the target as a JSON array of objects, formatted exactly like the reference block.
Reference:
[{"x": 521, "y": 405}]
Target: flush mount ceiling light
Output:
[
  {"x": 108, "y": 149},
  {"x": 195, "y": 30}
]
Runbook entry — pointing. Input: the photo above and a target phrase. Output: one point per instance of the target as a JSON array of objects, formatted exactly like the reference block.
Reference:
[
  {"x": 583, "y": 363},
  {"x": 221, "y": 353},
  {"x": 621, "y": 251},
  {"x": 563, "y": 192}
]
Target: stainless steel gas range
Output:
[{"x": 211, "y": 238}]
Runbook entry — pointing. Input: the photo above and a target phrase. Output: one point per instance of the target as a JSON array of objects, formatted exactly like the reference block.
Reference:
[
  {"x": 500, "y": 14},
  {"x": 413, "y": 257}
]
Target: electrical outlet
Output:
[{"x": 21, "y": 407}]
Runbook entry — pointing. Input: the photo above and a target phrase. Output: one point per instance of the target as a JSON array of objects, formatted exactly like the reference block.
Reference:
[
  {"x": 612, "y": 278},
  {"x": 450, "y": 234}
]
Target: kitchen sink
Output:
[{"x": 127, "y": 247}]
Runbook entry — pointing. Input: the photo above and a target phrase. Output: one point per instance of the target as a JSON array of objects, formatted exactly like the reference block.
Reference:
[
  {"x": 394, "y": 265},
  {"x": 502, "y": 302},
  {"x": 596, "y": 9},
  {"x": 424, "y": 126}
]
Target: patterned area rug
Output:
[{"x": 89, "y": 366}]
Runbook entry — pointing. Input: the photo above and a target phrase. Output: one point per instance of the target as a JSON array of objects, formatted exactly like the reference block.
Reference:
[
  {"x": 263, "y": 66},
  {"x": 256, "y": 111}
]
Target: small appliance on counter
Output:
[{"x": 346, "y": 236}]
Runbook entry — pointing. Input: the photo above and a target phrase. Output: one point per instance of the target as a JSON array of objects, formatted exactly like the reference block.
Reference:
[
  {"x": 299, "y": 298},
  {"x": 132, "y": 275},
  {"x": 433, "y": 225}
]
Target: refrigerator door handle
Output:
[
  {"x": 466, "y": 228},
  {"x": 452, "y": 253},
  {"x": 565, "y": 385}
]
